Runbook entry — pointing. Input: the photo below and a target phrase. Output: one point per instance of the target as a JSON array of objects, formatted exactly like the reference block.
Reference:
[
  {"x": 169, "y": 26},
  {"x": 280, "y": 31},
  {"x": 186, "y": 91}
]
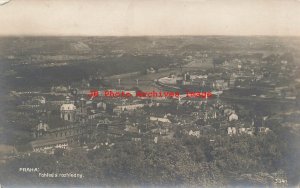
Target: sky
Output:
[{"x": 150, "y": 17}]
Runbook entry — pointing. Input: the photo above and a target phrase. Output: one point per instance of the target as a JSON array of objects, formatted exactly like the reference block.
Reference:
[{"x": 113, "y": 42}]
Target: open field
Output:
[{"x": 146, "y": 82}]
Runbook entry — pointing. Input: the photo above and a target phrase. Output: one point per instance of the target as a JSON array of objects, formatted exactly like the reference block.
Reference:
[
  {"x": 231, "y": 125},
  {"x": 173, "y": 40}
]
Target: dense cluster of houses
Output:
[
  {"x": 82, "y": 120},
  {"x": 133, "y": 119}
]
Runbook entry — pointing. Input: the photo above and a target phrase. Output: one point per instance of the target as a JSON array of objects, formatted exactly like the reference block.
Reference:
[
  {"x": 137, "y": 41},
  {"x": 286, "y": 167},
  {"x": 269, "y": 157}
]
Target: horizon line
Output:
[{"x": 200, "y": 35}]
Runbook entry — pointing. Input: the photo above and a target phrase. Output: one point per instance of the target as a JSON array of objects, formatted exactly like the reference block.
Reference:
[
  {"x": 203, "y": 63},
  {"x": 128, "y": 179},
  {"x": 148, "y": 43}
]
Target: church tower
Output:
[{"x": 67, "y": 110}]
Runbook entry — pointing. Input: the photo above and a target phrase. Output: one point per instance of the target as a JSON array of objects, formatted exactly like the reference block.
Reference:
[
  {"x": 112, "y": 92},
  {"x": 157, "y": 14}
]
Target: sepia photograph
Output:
[{"x": 149, "y": 93}]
